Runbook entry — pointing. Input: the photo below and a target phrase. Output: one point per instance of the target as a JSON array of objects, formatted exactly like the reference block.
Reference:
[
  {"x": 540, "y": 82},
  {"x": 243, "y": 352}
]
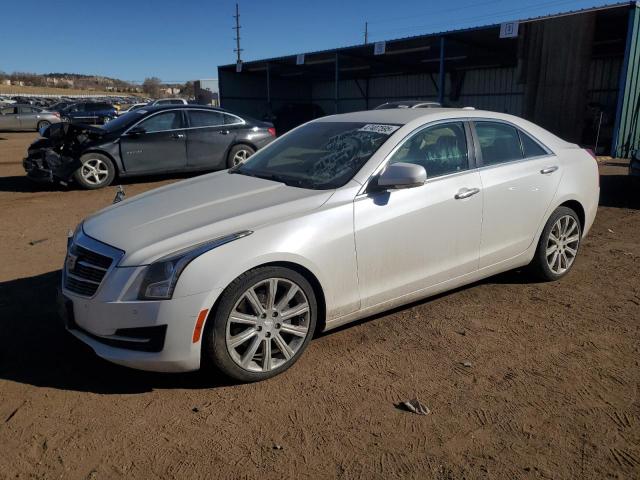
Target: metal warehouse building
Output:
[{"x": 576, "y": 74}]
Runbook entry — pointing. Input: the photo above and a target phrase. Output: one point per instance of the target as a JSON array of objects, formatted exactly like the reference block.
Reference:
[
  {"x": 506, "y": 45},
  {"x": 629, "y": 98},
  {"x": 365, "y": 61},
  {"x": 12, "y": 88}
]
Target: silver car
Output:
[
  {"x": 26, "y": 117},
  {"x": 342, "y": 218}
]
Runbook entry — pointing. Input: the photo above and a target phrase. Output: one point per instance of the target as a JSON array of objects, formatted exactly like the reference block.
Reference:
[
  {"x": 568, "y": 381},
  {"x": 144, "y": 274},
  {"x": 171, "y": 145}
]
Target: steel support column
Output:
[
  {"x": 441, "y": 76},
  {"x": 268, "y": 88},
  {"x": 337, "y": 80}
]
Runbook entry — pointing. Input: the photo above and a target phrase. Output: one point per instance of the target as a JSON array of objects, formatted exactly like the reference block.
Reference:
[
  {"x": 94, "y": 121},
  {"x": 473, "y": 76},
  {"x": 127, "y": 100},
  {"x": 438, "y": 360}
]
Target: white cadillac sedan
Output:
[{"x": 341, "y": 218}]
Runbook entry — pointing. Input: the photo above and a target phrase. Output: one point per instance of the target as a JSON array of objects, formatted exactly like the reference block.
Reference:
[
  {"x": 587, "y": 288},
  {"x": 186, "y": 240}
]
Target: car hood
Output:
[{"x": 149, "y": 226}]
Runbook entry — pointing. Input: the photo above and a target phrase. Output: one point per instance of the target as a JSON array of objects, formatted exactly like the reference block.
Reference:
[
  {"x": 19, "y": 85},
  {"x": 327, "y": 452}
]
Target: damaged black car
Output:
[{"x": 150, "y": 140}]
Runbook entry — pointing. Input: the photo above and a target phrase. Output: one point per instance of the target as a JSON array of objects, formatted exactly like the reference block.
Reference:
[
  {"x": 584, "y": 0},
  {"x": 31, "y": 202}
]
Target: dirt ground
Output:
[{"x": 552, "y": 391}]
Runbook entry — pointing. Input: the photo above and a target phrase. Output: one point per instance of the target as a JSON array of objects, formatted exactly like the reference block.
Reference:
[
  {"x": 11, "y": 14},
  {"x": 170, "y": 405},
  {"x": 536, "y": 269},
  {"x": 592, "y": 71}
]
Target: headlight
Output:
[{"x": 159, "y": 279}]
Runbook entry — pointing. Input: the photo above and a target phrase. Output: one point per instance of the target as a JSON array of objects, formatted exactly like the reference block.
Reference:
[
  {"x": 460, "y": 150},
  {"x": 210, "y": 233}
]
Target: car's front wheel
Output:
[
  {"x": 263, "y": 322},
  {"x": 97, "y": 171},
  {"x": 558, "y": 245}
]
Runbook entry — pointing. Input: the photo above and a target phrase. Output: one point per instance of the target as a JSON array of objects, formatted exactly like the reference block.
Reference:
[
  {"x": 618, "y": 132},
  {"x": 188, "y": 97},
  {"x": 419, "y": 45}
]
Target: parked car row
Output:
[{"x": 155, "y": 139}]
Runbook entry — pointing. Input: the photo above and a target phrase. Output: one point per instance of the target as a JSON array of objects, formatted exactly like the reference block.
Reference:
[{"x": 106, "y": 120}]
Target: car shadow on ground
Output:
[
  {"x": 22, "y": 184},
  {"x": 620, "y": 191},
  {"x": 35, "y": 349}
]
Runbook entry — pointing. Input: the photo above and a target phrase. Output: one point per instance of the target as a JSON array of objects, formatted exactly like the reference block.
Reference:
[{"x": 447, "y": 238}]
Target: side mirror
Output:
[
  {"x": 136, "y": 132},
  {"x": 402, "y": 175}
]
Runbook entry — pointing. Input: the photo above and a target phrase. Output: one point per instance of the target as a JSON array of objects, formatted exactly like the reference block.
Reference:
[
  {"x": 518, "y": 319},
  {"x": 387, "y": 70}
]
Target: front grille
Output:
[{"x": 84, "y": 270}]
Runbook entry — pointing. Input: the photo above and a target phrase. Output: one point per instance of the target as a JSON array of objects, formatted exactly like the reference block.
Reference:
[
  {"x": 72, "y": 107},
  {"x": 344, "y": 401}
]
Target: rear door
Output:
[
  {"x": 208, "y": 139},
  {"x": 160, "y": 146},
  {"x": 520, "y": 177},
  {"x": 28, "y": 117}
]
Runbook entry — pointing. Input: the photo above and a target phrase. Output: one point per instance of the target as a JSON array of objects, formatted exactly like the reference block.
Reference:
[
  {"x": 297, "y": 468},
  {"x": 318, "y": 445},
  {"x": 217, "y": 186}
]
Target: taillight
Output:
[
  {"x": 591, "y": 152},
  {"x": 57, "y": 114},
  {"x": 272, "y": 131}
]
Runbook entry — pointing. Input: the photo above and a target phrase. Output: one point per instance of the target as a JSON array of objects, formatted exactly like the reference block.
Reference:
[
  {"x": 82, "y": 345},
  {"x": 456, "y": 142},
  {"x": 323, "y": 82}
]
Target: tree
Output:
[
  {"x": 151, "y": 86},
  {"x": 188, "y": 90}
]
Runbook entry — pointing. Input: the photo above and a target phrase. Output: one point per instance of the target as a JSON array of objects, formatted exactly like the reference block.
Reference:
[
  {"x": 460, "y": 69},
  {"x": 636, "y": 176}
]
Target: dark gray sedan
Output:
[
  {"x": 26, "y": 117},
  {"x": 150, "y": 140}
]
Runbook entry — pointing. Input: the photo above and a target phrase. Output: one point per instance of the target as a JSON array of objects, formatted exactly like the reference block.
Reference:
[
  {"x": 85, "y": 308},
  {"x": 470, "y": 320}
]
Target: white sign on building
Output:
[
  {"x": 379, "y": 48},
  {"x": 509, "y": 30}
]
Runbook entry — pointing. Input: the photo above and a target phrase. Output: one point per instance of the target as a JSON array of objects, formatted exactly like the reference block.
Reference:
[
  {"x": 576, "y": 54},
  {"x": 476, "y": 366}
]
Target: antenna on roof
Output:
[
  {"x": 237, "y": 29},
  {"x": 366, "y": 32}
]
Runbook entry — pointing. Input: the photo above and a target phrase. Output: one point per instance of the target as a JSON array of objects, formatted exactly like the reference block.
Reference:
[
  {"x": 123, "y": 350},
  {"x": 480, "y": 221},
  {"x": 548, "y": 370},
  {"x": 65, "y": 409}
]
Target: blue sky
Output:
[{"x": 188, "y": 39}]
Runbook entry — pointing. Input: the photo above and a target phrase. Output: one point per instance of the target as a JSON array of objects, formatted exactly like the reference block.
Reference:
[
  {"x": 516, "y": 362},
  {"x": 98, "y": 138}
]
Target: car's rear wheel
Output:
[
  {"x": 97, "y": 171},
  {"x": 263, "y": 322},
  {"x": 558, "y": 245},
  {"x": 239, "y": 154},
  {"x": 43, "y": 124}
]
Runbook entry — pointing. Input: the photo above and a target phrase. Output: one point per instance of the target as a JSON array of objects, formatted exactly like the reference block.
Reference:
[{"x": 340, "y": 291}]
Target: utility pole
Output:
[
  {"x": 366, "y": 32},
  {"x": 237, "y": 29}
]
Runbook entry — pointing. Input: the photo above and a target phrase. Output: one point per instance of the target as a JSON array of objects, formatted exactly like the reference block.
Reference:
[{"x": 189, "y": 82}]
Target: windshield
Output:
[
  {"x": 123, "y": 121},
  {"x": 321, "y": 155}
]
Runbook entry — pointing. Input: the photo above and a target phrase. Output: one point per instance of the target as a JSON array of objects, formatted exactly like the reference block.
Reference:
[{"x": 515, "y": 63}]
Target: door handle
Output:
[
  {"x": 466, "y": 193},
  {"x": 224, "y": 132},
  {"x": 548, "y": 170},
  {"x": 178, "y": 135}
]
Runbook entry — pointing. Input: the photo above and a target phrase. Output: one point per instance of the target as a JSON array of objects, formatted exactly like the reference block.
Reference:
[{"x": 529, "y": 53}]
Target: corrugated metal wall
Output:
[{"x": 627, "y": 132}]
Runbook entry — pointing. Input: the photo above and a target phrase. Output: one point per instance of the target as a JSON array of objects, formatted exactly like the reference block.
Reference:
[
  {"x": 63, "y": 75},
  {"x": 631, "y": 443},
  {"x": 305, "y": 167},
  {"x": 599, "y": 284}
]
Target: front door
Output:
[
  {"x": 157, "y": 144},
  {"x": 411, "y": 239},
  {"x": 519, "y": 180}
]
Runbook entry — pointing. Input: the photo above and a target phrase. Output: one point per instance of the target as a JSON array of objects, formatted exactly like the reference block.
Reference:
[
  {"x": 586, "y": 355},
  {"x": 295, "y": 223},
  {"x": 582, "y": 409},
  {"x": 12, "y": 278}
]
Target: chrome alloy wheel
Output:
[
  {"x": 94, "y": 171},
  {"x": 562, "y": 244},
  {"x": 268, "y": 325},
  {"x": 240, "y": 156}
]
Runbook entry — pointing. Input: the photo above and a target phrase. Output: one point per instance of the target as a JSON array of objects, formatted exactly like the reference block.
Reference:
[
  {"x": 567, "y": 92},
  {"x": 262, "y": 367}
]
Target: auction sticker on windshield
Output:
[{"x": 379, "y": 128}]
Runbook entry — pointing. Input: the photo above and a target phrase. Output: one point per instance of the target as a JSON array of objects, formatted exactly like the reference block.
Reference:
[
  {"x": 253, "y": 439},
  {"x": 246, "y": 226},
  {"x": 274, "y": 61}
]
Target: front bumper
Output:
[
  {"x": 47, "y": 166},
  {"x": 146, "y": 335}
]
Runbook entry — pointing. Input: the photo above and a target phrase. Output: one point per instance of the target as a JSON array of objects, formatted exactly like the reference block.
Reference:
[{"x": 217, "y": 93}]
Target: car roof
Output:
[
  {"x": 156, "y": 108},
  {"x": 411, "y": 118}
]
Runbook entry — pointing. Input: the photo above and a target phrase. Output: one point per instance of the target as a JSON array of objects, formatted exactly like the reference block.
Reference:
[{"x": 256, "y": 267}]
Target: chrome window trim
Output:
[
  {"x": 243, "y": 122},
  {"x": 415, "y": 131}
]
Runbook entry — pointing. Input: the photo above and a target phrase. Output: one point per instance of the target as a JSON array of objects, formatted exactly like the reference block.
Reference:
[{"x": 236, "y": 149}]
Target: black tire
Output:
[
  {"x": 540, "y": 264},
  {"x": 214, "y": 343},
  {"x": 43, "y": 124},
  {"x": 102, "y": 179},
  {"x": 232, "y": 157}
]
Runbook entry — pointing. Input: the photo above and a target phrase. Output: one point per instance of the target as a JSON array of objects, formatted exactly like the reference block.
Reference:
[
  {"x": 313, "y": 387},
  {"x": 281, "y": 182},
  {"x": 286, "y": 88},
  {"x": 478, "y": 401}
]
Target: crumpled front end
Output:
[{"x": 55, "y": 156}]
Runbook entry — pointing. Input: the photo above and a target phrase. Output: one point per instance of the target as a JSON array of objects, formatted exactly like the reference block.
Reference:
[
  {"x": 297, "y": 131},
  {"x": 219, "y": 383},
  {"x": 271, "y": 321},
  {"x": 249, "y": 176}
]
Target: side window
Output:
[
  {"x": 441, "y": 150},
  {"x": 9, "y": 111},
  {"x": 163, "y": 121},
  {"x": 202, "y": 118},
  {"x": 530, "y": 146},
  {"x": 499, "y": 143},
  {"x": 231, "y": 119},
  {"x": 27, "y": 110}
]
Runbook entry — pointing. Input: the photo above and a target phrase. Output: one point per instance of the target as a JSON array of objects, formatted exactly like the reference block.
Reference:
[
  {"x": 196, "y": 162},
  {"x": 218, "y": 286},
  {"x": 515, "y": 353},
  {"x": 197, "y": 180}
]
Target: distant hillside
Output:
[{"x": 73, "y": 81}]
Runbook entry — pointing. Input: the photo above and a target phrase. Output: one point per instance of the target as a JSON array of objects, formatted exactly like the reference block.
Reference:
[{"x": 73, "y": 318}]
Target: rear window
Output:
[
  {"x": 232, "y": 119},
  {"x": 499, "y": 142},
  {"x": 531, "y": 147},
  {"x": 203, "y": 118}
]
